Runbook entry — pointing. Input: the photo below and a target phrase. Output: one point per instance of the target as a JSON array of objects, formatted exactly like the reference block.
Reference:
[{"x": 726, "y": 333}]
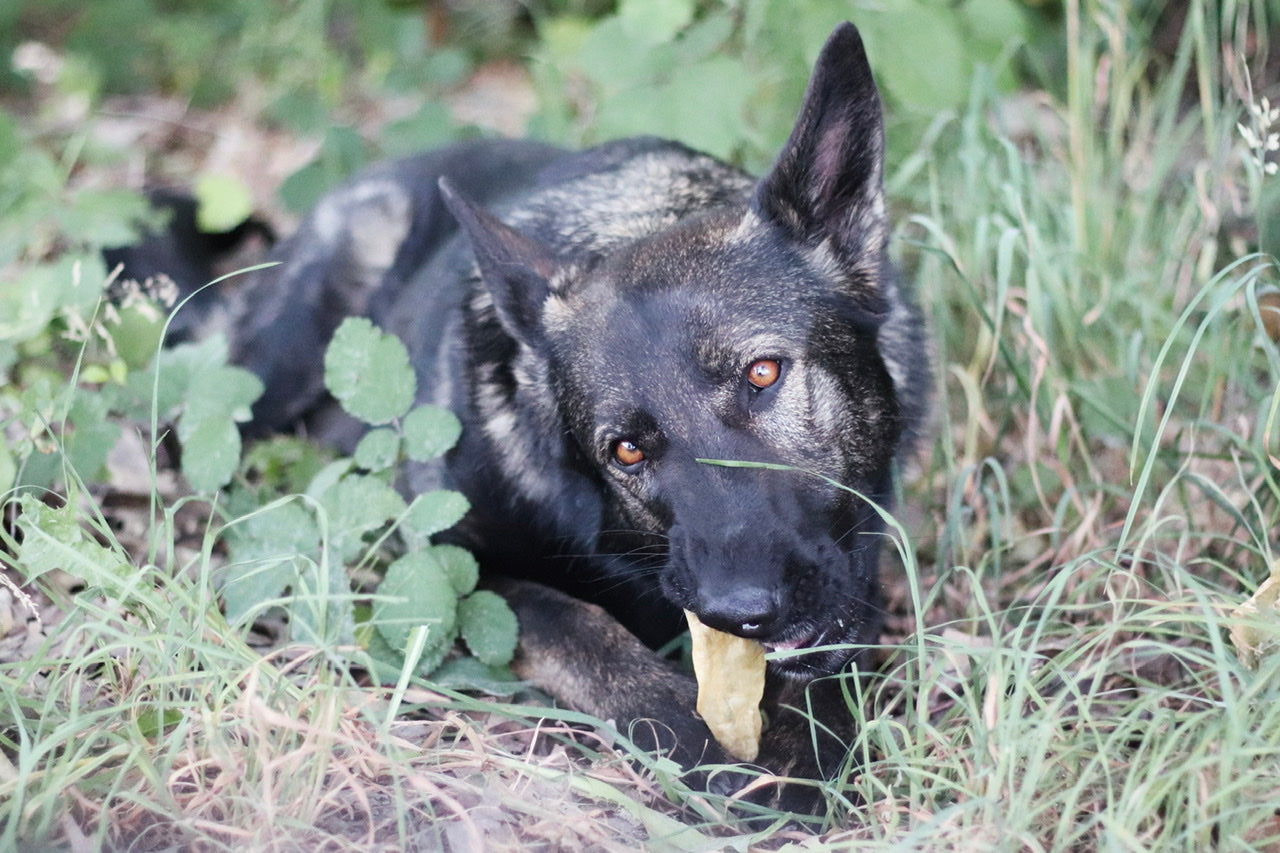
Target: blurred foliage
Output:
[
  {"x": 721, "y": 76},
  {"x": 726, "y": 78},
  {"x": 305, "y": 48}
]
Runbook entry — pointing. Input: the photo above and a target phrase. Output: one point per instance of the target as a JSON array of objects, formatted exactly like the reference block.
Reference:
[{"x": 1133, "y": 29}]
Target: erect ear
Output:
[
  {"x": 517, "y": 269},
  {"x": 827, "y": 184}
]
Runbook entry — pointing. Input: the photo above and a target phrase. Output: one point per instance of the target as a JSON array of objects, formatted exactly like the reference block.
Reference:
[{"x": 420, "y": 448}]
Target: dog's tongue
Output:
[{"x": 730, "y": 673}]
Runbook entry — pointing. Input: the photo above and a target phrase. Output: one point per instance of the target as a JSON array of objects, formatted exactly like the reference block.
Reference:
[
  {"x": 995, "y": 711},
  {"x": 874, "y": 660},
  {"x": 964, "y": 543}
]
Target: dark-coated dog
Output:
[{"x": 606, "y": 324}]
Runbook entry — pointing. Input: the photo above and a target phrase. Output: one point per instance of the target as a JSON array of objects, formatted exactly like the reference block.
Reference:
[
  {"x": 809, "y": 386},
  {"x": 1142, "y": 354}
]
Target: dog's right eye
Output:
[
  {"x": 764, "y": 373},
  {"x": 627, "y": 453}
]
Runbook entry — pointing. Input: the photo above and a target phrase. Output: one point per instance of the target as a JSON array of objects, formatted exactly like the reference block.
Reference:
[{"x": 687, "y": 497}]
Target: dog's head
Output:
[{"x": 749, "y": 333}]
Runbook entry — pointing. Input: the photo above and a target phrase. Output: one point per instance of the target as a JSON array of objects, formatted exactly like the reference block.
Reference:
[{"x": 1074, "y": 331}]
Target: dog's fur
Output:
[{"x": 621, "y": 294}]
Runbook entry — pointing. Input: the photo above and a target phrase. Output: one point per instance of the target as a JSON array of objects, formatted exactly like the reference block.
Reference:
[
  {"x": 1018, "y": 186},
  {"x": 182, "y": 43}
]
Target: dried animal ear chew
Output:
[{"x": 730, "y": 673}]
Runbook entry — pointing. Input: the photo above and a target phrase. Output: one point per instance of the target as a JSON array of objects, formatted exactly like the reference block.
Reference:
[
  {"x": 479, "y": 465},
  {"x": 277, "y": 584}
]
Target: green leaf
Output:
[
  {"x": 368, "y": 372},
  {"x": 416, "y": 591},
  {"x": 458, "y": 564},
  {"x": 153, "y": 722},
  {"x": 103, "y": 217},
  {"x": 177, "y": 367},
  {"x": 356, "y": 505},
  {"x": 301, "y": 111},
  {"x": 341, "y": 154},
  {"x": 218, "y": 392},
  {"x": 488, "y": 626},
  {"x": 11, "y": 141},
  {"x": 211, "y": 454},
  {"x": 90, "y": 435},
  {"x": 378, "y": 449},
  {"x": 432, "y": 512},
  {"x": 54, "y": 539},
  {"x": 430, "y": 127},
  {"x": 285, "y": 464},
  {"x": 223, "y": 202},
  {"x": 362, "y": 503},
  {"x": 328, "y": 476},
  {"x": 701, "y": 104},
  {"x": 613, "y": 71},
  {"x": 321, "y": 610},
  {"x": 386, "y": 662},
  {"x": 30, "y": 299},
  {"x": 303, "y": 190},
  {"x": 463, "y": 673},
  {"x": 654, "y": 21},
  {"x": 266, "y": 552},
  {"x": 955, "y": 37},
  {"x": 429, "y": 431}
]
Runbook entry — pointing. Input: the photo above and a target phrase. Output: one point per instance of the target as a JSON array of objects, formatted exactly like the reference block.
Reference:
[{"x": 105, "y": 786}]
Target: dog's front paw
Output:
[{"x": 749, "y": 791}]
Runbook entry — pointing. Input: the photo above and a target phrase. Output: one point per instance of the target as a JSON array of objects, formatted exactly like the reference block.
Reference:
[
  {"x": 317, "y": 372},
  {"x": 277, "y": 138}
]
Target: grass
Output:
[
  {"x": 1100, "y": 496},
  {"x": 143, "y": 722}
]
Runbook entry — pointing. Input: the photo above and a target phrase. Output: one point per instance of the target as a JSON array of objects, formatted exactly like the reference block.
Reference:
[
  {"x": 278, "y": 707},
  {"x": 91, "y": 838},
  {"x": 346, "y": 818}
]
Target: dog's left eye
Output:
[
  {"x": 627, "y": 453},
  {"x": 764, "y": 372}
]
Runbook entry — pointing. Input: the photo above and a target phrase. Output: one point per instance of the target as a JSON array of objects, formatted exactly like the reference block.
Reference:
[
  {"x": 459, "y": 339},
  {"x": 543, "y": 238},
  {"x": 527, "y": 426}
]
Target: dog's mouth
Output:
[
  {"x": 804, "y": 640},
  {"x": 813, "y": 651}
]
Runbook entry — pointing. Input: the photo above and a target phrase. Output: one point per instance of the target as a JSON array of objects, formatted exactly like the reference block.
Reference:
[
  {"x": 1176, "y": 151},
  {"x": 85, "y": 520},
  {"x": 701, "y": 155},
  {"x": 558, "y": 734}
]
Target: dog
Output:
[{"x": 609, "y": 325}]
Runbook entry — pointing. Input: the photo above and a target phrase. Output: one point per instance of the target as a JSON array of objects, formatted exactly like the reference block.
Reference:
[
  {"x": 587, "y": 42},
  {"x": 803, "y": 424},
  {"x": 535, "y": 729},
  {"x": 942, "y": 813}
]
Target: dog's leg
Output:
[
  {"x": 795, "y": 746},
  {"x": 584, "y": 658}
]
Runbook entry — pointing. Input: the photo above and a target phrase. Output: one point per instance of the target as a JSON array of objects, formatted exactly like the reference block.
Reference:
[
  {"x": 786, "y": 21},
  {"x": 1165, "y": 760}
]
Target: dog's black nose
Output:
[{"x": 749, "y": 612}]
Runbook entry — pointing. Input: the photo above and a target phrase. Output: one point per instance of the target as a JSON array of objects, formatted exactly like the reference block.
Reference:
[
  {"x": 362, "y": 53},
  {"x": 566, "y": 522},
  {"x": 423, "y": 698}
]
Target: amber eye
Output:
[
  {"x": 627, "y": 453},
  {"x": 763, "y": 373}
]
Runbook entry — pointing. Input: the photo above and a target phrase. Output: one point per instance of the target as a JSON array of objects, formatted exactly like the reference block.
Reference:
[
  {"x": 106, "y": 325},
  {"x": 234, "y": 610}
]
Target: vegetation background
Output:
[{"x": 1083, "y": 579}]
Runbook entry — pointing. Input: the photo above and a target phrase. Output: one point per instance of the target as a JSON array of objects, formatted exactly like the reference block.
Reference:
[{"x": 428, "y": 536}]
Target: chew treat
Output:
[{"x": 730, "y": 673}]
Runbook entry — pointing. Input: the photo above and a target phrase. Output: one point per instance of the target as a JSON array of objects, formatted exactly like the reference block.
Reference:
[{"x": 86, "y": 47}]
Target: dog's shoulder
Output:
[{"x": 620, "y": 191}]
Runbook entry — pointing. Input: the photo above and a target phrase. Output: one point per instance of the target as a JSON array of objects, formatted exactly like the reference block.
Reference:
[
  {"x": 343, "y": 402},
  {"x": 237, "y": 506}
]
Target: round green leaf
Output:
[
  {"x": 416, "y": 591},
  {"x": 328, "y": 476},
  {"x": 223, "y": 203},
  {"x": 211, "y": 454},
  {"x": 266, "y": 550},
  {"x": 432, "y": 512},
  {"x": 378, "y": 449},
  {"x": 361, "y": 503},
  {"x": 386, "y": 662},
  {"x": 429, "y": 431},
  {"x": 358, "y": 504},
  {"x": 218, "y": 392},
  {"x": 458, "y": 564},
  {"x": 474, "y": 675},
  {"x": 368, "y": 372},
  {"x": 137, "y": 337},
  {"x": 488, "y": 626}
]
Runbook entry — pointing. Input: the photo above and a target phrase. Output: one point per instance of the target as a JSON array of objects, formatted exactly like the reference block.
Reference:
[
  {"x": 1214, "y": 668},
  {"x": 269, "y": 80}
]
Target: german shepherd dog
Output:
[{"x": 608, "y": 324}]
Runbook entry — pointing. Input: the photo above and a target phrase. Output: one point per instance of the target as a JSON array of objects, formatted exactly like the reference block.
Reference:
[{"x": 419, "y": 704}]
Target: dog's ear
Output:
[
  {"x": 826, "y": 188},
  {"x": 516, "y": 268}
]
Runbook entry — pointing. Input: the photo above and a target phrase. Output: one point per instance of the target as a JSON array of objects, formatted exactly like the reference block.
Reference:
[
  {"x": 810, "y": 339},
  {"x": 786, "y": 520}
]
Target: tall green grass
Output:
[{"x": 1100, "y": 496}]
